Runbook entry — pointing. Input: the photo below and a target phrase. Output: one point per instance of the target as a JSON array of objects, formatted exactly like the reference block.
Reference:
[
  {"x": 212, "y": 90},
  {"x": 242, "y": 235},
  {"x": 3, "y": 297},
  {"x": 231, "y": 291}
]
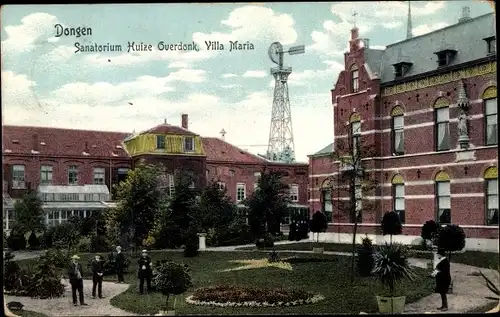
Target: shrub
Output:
[
  {"x": 318, "y": 223},
  {"x": 60, "y": 258},
  {"x": 47, "y": 238},
  {"x": 391, "y": 224},
  {"x": 451, "y": 238},
  {"x": 171, "y": 278},
  {"x": 83, "y": 245},
  {"x": 99, "y": 243},
  {"x": 191, "y": 244},
  {"x": 273, "y": 256},
  {"x": 302, "y": 231},
  {"x": 266, "y": 241},
  {"x": 16, "y": 278},
  {"x": 5, "y": 245},
  {"x": 33, "y": 241},
  {"x": 46, "y": 282},
  {"x": 149, "y": 241},
  {"x": 292, "y": 232},
  {"x": 430, "y": 229},
  {"x": 16, "y": 241},
  {"x": 365, "y": 257}
]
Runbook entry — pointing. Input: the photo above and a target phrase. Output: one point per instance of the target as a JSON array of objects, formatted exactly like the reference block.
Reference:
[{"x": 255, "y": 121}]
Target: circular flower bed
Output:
[{"x": 236, "y": 296}]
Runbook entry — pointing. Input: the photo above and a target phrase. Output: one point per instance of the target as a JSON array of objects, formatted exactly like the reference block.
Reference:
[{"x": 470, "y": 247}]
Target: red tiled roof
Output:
[
  {"x": 165, "y": 128},
  {"x": 219, "y": 150},
  {"x": 62, "y": 141},
  {"x": 102, "y": 143}
]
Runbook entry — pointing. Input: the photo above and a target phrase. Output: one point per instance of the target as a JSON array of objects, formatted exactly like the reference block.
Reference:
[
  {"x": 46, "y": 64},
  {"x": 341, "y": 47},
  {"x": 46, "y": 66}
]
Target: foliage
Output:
[
  {"x": 266, "y": 241},
  {"x": 84, "y": 244},
  {"x": 365, "y": 257},
  {"x": 33, "y": 241},
  {"x": 451, "y": 238},
  {"x": 46, "y": 282},
  {"x": 99, "y": 243},
  {"x": 149, "y": 241},
  {"x": 430, "y": 230},
  {"x": 65, "y": 235},
  {"x": 302, "y": 231},
  {"x": 12, "y": 273},
  {"x": 5, "y": 245},
  {"x": 29, "y": 213},
  {"x": 491, "y": 286},
  {"x": 171, "y": 278},
  {"x": 391, "y": 265},
  {"x": 139, "y": 197},
  {"x": 191, "y": 243},
  {"x": 273, "y": 256},
  {"x": 16, "y": 241},
  {"x": 318, "y": 223},
  {"x": 391, "y": 224},
  {"x": 237, "y": 233},
  {"x": 267, "y": 204},
  {"x": 93, "y": 225},
  {"x": 60, "y": 258}
]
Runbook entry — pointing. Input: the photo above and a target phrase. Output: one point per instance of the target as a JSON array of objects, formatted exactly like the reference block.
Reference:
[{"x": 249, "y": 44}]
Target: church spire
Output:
[{"x": 409, "y": 26}]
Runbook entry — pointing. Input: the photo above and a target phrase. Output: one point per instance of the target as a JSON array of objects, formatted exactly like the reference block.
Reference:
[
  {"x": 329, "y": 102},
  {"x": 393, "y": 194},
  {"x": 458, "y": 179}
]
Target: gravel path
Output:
[{"x": 63, "y": 306}]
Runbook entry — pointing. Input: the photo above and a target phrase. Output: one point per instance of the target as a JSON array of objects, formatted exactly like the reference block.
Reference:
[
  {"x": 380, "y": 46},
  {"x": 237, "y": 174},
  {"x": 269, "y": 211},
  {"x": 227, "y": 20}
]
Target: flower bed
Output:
[{"x": 235, "y": 296}]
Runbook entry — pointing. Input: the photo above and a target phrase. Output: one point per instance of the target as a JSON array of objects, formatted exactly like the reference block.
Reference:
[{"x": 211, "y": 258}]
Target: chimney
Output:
[
  {"x": 465, "y": 14},
  {"x": 36, "y": 143},
  {"x": 184, "y": 121}
]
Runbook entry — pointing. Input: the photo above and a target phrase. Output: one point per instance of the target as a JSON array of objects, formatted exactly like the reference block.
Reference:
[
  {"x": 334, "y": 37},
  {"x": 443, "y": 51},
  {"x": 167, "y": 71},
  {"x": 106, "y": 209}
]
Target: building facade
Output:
[
  {"x": 74, "y": 170},
  {"x": 428, "y": 107}
]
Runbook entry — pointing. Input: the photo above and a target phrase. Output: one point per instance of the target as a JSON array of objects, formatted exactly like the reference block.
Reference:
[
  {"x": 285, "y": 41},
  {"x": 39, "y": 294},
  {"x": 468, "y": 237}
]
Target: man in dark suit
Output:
[
  {"x": 97, "y": 275},
  {"x": 145, "y": 271},
  {"x": 443, "y": 278},
  {"x": 119, "y": 264},
  {"x": 75, "y": 274}
]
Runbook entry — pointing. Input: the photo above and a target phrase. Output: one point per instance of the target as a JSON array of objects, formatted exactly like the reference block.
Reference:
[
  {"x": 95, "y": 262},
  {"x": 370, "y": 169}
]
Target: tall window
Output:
[
  {"x": 46, "y": 174},
  {"x": 491, "y": 180},
  {"x": 160, "y": 142},
  {"x": 398, "y": 124},
  {"x": 443, "y": 197},
  {"x": 442, "y": 124},
  {"x": 490, "y": 115},
  {"x": 73, "y": 175},
  {"x": 188, "y": 144},
  {"x": 327, "y": 205},
  {"x": 18, "y": 177},
  {"x": 354, "y": 78},
  {"x": 294, "y": 193},
  {"x": 99, "y": 175},
  {"x": 240, "y": 192},
  {"x": 355, "y": 121},
  {"x": 398, "y": 196}
]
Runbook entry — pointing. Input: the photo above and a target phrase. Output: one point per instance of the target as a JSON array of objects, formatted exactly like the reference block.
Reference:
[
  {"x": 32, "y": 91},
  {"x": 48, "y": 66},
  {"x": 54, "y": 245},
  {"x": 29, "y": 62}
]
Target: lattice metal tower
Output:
[{"x": 281, "y": 146}]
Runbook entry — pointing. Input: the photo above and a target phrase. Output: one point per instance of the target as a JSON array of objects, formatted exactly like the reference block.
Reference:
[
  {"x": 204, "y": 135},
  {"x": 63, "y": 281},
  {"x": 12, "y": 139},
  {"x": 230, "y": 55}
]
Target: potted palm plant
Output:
[
  {"x": 391, "y": 267},
  {"x": 318, "y": 224}
]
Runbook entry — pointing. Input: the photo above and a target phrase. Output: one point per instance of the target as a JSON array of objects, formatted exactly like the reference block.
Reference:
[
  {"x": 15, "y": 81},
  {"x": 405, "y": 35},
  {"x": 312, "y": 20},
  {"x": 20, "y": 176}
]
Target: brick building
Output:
[
  {"x": 428, "y": 106},
  {"x": 73, "y": 170}
]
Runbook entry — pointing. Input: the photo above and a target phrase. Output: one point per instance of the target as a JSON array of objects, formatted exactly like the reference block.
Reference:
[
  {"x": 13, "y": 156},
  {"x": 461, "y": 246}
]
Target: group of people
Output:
[{"x": 75, "y": 274}]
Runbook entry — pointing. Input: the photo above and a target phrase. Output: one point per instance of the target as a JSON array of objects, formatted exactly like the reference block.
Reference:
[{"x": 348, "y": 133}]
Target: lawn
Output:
[{"x": 474, "y": 258}]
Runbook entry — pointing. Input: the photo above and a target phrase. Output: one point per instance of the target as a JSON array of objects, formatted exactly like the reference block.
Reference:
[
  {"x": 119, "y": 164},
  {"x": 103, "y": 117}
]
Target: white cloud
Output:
[
  {"x": 311, "y": 77},
  {"x": 427, "y": 28},
  {"x": 231, "y": 86},
  {"x": 255, "y": 73},
  {"x": 271, "y": 27},
  {"x": 36, "y": 29},
  {"x": 178, "y": 64},
  {"x": 228, "y": 75}
]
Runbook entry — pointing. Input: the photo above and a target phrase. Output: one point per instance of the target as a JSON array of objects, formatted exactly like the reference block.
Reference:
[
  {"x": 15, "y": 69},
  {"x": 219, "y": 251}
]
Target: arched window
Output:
[
  {"x": 443, "y": 197},
  {"x": 491, "y": 184},
  {"x": 398, "y": 196},
  {"x": 490, "y": 115},
  {"x": 398, "y": 126},
  {"x": 354, "y": 78},
  {"x": 355, "y": 122},
  {"x": 442, "y": 118}
]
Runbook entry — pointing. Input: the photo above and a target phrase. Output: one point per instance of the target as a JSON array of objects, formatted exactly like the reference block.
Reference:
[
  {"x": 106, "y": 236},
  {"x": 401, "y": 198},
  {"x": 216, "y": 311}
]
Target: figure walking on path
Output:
[
  {"x": 145, "y": 271},
  {"x": 75, "y": 274},
  {"x": 97, "y": 275},
  {"x": 119, "y": 264},
  {"x": 443, "y": 278}
]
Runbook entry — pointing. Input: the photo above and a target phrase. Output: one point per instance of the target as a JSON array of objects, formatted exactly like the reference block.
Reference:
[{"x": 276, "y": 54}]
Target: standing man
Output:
[
  {"x": 75, "y": 274},
  {"x": 97, "y": 275},
  {"x": 145, "y": 271},
  {"x": 119, "y": 264}
]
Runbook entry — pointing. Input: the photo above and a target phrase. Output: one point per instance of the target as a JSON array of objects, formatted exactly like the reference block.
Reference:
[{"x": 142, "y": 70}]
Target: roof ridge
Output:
[
  {"x": 240, "y": 149},
  {"x": 58, "y": 128}
]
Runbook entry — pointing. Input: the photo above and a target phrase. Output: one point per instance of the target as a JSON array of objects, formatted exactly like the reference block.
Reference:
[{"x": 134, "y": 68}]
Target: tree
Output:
[
  {"x": 391, "y": 224},
  {"x": 65, "y": 235},
  {"x": 451, "y": 238},
  {"x": 430, "y": 231},
  {"x": 269, "y": 201},
  {"x": 30, "y": 216},
  {"x": 319, "y": 223},
  {"x": 171, "y": 279},
  {"x": 354, "y": 182},
  {"x": 139, "y": 197}
]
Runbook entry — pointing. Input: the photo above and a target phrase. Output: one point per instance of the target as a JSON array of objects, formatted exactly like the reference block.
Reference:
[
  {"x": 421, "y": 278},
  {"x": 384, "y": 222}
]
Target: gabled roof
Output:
[
  {"x": 219, "y": 150},
  {"x": 324, "y": 151},
  {"x": 165, "y": 128},
  {"x": 466, "y": 38}
]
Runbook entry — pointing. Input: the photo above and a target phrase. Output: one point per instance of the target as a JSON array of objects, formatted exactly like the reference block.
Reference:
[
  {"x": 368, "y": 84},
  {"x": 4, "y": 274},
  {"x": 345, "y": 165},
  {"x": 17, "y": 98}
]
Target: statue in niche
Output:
[{"x": 462, "y": 124}]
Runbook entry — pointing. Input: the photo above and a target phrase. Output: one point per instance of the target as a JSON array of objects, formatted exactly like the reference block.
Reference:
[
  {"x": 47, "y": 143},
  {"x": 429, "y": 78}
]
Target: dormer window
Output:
[
  {"x": 160, "y": 142},
  {"x": 445, "y": 57},
  {"x": 188, "y": 144},
  {"x": 491, "y": 44},
  {"x": 401, "y": 69},
  {"x": 354, "y": 78}
]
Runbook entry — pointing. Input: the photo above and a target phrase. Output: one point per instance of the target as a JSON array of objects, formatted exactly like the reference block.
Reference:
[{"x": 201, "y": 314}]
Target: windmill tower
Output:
[{"x": 281, "y": 146}]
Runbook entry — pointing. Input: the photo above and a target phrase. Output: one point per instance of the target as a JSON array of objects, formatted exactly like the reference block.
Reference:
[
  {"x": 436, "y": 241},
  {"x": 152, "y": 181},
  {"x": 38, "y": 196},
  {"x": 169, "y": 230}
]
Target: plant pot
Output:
[
  {"x": 318, "y": 250},
  {"x": 391, "y": 304}
]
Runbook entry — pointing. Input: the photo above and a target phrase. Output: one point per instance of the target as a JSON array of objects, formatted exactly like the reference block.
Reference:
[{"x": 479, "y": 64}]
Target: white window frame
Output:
[
  {"x": 294, "y": 192},
  {"x": 490, "y": 119},
  {"x": 46, "y": 174},
  {"x": 73, "y": 169},
  {"x": 355, "y": 137},
  {"x": 443, "y": 124},
  {"x": 354, "y": 80},
  {"x": 159, "y": 143},
  {"x": 398, "y": 130},
  {"x": 241, "y": 192},
  {"x": 400, "y": 198},
  {"x": 186, "y": 149},
  {"x": 18, "y": 176},
  {"x": 440, "y": 208},
  {"x": 491, "y": 200},
  {"x": 99, "y": 175},
  {"x": 171, "y": 185}
]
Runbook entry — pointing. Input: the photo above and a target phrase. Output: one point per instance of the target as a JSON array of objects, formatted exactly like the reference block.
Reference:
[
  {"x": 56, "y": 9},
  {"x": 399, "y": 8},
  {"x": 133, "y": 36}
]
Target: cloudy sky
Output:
[{"x": 45, "y": 83}]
